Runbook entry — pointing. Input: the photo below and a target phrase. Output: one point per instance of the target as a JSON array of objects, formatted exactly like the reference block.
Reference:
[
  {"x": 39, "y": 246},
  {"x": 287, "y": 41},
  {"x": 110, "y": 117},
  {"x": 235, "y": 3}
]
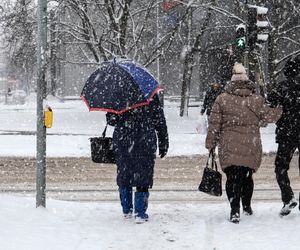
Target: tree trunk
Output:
[{"x": 186, "y": 80}]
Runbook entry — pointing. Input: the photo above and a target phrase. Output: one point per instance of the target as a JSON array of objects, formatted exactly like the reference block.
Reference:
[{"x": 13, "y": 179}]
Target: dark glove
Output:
[{"x": 162, "y": 152}]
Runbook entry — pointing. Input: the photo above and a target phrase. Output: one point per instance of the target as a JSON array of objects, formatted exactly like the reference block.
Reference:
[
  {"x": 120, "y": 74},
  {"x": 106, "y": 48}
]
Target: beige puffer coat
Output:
[{"x": 234, "y": 125}]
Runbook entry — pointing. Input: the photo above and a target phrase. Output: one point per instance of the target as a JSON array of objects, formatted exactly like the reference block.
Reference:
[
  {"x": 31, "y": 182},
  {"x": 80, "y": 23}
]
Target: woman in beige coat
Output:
[{"x": 234, "y": 124}]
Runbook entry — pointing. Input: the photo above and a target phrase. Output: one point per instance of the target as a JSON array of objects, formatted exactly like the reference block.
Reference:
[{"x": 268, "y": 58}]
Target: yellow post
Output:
[{"x": 48, "y": 117}]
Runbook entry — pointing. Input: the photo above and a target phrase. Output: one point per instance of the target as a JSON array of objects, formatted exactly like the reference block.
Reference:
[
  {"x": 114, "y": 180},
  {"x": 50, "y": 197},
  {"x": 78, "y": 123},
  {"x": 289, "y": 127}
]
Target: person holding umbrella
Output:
[
  {"x": 128, "y": 93},
  {"x": 135, "y": 146}
]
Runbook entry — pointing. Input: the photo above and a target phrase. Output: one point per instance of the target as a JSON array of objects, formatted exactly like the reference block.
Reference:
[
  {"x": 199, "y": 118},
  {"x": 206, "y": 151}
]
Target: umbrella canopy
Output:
[{"x": 117, "y": 87}]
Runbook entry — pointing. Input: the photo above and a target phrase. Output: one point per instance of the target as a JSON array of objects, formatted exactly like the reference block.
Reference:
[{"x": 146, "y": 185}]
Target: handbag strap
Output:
[
  {"x": 104, "y": 132},
  {"x": 212, "y": 156}
]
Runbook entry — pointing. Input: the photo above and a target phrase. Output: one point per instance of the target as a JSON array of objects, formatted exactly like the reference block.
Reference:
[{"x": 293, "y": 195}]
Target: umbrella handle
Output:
[{"x": 104, "y": 132}]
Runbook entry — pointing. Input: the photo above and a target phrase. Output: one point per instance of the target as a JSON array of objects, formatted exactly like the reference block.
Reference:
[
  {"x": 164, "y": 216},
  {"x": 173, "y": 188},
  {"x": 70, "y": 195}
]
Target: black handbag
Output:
[
  {"x": 211, "y": 182},
  {"x": 102, "y": 149}
]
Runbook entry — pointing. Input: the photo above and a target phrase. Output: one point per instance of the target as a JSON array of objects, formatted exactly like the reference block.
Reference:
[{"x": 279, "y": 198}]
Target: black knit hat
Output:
[{"x": 292, "y": 67}]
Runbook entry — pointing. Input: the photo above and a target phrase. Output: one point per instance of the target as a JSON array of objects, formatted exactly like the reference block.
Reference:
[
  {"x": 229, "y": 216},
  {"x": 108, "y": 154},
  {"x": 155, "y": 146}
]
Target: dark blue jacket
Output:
[{"x": 135, "y": 143}]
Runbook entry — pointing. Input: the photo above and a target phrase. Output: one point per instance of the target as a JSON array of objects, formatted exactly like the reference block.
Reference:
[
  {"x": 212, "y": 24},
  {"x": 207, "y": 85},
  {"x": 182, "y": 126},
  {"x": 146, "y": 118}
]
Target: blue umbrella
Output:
[{"x": 119, "y": 86}]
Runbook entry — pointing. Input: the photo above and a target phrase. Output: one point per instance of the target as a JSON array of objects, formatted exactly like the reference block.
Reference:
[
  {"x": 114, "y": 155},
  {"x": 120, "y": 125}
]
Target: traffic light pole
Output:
[
  {"x": 255, "y": 35},
  {"x": 246, "y": 53},
  {"x": 41, "y": 95}
]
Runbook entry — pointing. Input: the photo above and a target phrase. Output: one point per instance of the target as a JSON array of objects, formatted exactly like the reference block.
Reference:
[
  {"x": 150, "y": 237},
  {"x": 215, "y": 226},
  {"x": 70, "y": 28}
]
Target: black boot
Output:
[
  {"x": 287, "y": 207},
  {"x": 247, "y": 210},
  {"x": 235, "y": 216}
]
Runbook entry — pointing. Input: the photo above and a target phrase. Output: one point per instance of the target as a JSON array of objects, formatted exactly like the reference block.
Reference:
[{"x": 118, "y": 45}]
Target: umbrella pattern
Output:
[{"x": 118, "y": 86}]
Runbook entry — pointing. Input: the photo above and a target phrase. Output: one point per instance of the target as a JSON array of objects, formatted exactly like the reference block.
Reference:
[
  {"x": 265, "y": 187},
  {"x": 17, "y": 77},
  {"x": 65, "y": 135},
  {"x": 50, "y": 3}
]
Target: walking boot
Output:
[
  {"x": 140, "y": 206},
  {"x": 126, "y": 201},
  {"x": 235, "y": 216},
  {"x": 287, "y": 207},
  {"x": 247, "y": 210}
]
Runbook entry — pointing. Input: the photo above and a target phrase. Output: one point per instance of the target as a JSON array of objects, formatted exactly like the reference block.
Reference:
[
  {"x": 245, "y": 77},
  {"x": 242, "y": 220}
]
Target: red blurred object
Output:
[{"x": 169, "y": 4}]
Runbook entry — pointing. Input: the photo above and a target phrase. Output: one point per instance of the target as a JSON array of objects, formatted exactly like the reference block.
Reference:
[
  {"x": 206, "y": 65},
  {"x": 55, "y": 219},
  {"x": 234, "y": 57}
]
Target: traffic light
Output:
[
  {"x": 257, "y": 26},
  {"x": 262, "y": 25},
  {"x": 240, "y": 41}
]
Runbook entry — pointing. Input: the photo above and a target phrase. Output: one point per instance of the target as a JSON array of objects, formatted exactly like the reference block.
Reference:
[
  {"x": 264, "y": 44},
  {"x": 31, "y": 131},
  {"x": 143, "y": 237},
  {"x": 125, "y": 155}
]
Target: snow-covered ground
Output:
[
  {"x": 99, "y": 225},
  {"x": 73, "y": 125},
  {"x": 176, "y": 226}
]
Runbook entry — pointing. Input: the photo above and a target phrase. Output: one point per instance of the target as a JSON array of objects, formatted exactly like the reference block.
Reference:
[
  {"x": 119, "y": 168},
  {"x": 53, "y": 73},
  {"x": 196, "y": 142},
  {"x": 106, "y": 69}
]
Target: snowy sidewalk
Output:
[
  {"x": 177, "y": 226},
  {"x": 180, "y": 216}
]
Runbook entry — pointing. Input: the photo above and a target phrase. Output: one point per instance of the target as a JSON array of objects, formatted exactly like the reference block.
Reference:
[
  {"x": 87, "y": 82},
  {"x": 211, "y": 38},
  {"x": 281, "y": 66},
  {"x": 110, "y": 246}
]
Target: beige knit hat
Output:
[{"x": 239, "y": 73}]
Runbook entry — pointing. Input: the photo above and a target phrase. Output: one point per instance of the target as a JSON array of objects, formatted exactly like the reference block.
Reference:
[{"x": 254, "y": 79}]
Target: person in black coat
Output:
[
  {"x": 135, "y": 144},
  {"x": 210, "y": 97},
  {"x": 287, "y": 94}
]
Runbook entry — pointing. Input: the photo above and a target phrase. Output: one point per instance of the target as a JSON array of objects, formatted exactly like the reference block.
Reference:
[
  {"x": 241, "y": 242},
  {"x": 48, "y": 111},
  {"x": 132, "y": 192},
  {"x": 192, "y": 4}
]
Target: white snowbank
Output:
[{"x": 73, "y": 125}]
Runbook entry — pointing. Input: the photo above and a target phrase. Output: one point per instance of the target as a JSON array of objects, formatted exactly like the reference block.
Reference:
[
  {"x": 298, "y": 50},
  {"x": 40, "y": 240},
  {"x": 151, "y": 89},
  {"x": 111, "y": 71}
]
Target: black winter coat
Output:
[
  {"x": 135, "y": 143},
  {"x": 209, "y": 100},
  {"x": 287, "y": 94}
]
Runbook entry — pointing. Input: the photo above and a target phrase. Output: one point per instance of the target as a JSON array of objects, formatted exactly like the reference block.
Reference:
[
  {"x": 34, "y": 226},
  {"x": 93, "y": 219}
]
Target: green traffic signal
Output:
[{"x": 240, "y": 43}]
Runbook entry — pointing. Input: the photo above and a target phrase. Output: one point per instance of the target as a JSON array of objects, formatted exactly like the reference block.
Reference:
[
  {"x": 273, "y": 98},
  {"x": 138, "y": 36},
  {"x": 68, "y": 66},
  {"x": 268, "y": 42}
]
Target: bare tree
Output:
[
  {"x": 93, "y": 31},
  {"x": 284, "y": 38},
  {"x": 105, "y": 29},
  {"x": 18, "y": 25},
  {"x": 110, "y": 28},
  {"x": 192, "y": 47}
]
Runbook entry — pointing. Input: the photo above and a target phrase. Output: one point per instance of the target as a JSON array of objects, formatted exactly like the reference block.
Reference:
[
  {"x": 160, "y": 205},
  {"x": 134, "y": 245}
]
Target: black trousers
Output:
[
  {"x": 239, "y": 186},
  {"x": 282, "y": 164},
  {"x": 142, "y": 189}
]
